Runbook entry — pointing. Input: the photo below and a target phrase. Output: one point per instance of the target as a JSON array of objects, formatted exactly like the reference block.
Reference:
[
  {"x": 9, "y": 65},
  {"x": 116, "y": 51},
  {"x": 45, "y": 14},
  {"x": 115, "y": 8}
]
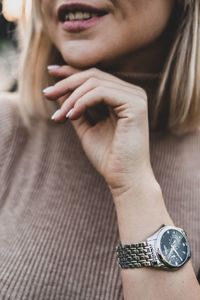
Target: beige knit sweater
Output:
[{"x": 58, "y": 228}]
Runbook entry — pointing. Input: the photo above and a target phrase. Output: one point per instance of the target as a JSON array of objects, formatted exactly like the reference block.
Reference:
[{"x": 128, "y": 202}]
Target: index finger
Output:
[{"x": 62, "y": 71}]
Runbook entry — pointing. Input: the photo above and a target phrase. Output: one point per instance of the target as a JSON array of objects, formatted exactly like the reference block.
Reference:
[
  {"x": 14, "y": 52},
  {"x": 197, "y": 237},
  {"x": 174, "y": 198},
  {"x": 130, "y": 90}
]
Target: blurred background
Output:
[{"x": 9, "y": 13}]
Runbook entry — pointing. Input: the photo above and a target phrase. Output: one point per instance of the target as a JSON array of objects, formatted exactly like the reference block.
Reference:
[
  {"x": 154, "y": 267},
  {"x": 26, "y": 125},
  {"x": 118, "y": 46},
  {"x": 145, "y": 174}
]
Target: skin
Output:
[
  {"x": 140, "y": 26},
  {"x": 118, "y": 147},
  {"x": 97, "y": 46}
]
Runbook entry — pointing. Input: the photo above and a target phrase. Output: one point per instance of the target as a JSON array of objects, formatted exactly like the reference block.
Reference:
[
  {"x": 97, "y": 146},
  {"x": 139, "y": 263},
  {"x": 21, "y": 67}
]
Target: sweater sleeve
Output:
[{"x": 8, "y": 124}]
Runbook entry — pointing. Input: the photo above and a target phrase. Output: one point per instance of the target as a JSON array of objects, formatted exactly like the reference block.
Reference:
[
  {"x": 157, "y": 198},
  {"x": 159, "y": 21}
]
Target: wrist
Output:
[
  {"x": 139, "y": 189},
  {"x": 133, "y": 183},
  {"x": 141, "y": 212}
]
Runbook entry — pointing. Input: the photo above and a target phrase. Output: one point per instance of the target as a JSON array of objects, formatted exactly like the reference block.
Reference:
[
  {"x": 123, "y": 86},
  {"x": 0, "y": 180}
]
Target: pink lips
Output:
[
  {"x": 80, "y": 25},
  {"x": 76, "y": 26}
]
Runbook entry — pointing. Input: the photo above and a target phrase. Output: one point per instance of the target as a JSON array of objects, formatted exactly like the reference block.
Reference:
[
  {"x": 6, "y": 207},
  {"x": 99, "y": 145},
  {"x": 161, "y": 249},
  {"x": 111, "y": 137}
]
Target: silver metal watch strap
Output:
[{"x": 135, "y": 255}]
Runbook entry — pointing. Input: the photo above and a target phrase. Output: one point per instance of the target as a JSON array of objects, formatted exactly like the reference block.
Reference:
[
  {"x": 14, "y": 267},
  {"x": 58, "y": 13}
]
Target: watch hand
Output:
[
  {"x": 177, "y": 243},
  {"x": 176, "y": 252},
  {"x": 169, "y": 253},
  {"x": 166, "y": 250}
]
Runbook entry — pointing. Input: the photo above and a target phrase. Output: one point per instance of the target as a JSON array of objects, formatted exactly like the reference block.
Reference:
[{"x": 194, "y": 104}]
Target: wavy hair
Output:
[{"x": 177, "y": 102}]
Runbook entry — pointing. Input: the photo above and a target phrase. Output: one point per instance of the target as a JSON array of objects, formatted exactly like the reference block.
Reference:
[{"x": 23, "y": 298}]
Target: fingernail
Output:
[
  {"x": 69, "y": 114},
  {"x": 53, "y": 67},
  {"x": 48, "y": 89},
  {"x": 56, "y": 114}
]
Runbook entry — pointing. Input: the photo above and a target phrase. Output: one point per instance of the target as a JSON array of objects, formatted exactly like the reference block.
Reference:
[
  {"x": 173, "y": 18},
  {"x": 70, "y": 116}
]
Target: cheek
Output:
[{"x": 146, "y": 20}]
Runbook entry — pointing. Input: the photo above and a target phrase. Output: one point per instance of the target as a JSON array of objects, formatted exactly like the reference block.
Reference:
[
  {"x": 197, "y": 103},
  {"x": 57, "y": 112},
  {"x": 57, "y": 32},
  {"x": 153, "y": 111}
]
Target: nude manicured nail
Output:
[
  {"x": 69, "y": 114},
  {"x": 56, "y": 114},
  {"x": 48, "y": 89},
  {"x": 53, "y": 67}
]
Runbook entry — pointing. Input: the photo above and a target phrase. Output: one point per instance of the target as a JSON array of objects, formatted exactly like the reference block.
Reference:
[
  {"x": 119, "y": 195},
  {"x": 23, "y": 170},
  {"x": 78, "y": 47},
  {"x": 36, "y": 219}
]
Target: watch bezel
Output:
[{"x": 159, "y": 251}]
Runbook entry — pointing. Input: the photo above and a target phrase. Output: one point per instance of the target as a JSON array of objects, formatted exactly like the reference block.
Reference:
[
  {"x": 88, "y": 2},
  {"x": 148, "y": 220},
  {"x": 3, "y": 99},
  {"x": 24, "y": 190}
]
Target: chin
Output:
[
  {"x": 78, "y": 63},
  {"x": 85, "y": 62},
  {"x": 80, "y": 59}
]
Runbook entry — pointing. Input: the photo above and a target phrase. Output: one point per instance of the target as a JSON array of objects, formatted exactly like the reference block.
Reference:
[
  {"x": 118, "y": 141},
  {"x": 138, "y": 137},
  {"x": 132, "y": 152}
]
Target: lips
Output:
[{"x": 70, "y": 9}]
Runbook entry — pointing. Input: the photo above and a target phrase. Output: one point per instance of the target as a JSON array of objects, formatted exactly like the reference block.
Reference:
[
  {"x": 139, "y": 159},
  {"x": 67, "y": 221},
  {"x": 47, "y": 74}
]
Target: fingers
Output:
[
  {"x": 61, "y": 71},
  {"x": 89, "y": 85},
  {"x": 76, "y": 79},
  {"x": 121, "y": 102},
  {"x": 84, "y": 89},
  {"x": 58, "y": 72},
  {"x": 97, "y": 95},
  {"x": 118, "y": 100}
]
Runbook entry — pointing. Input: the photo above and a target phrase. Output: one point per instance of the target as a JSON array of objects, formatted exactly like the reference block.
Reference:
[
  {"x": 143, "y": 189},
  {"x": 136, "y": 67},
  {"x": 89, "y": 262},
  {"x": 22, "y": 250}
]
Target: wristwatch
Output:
[{"x": 168, "y": 248}]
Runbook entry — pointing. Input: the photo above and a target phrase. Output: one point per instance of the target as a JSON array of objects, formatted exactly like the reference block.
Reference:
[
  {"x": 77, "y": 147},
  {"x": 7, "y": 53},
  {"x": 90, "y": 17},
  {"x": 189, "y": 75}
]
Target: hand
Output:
[{"x": 118, "y": 147}]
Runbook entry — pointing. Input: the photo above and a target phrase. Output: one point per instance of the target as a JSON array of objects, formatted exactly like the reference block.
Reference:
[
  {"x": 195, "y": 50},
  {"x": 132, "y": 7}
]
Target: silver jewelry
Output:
[{"x": 168, "y": 248}]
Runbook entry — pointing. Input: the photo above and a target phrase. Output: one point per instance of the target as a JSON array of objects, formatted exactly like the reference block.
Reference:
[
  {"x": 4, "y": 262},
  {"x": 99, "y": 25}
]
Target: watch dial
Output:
[{"x": 174, "y": 247}]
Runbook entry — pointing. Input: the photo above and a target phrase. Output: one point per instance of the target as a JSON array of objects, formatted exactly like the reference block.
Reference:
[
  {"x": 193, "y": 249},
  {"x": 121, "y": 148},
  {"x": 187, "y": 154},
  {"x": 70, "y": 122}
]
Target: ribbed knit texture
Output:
[{"x": 58, "y": 228}]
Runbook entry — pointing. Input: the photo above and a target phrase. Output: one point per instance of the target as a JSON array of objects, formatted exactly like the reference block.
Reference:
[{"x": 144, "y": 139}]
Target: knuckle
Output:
[
  {"x": 93, "y": 82},
  {"x": 93, "y": 71},
  {"x": 137, "y": 110},
  {"x": 57, "y": 84},
  {"x": 141, "y": 104},
  {"x": 100, "y": 90},
  {"x": 143, "y": 94},
  {"x": 143, "y": 107},
  {"x": 60, "y": 85},
  {"x": 138, "y": 90},
  {"x": 79, "y": 104}
]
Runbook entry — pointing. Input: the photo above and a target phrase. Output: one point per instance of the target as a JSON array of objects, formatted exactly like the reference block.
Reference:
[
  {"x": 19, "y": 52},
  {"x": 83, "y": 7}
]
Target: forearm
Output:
[{"x": 140, "y": 213}]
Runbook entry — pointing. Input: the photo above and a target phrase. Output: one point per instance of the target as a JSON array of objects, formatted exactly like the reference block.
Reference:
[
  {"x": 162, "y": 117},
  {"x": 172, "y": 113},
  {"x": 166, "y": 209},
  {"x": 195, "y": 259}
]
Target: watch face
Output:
[{"x": 174, "y": 248}]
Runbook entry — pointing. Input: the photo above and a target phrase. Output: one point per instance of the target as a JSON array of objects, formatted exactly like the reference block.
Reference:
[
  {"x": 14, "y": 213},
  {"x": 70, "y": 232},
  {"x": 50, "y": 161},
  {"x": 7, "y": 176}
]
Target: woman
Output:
[{"x": 69, "y": 184}]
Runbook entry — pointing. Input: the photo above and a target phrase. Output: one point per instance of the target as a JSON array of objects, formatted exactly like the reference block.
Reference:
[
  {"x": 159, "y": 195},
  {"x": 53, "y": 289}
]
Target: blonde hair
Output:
[{"x": 177, "y": 104}]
